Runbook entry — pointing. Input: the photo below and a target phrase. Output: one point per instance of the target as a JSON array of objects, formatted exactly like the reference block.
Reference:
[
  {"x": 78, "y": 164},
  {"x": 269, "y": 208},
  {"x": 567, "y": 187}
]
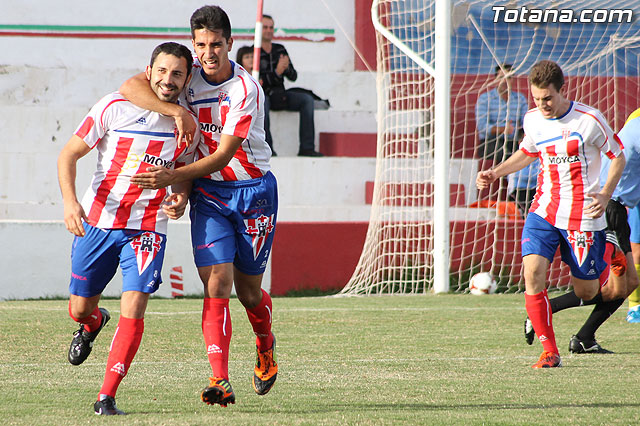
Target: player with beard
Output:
[{"x": 117, "y": 222}]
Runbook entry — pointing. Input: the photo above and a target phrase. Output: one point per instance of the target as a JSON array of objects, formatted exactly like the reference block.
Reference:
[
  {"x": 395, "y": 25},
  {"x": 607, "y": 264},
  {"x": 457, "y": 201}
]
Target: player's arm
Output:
[
  {"x": 517, "y": 161},
  {"x": 598, "y": 206},
  {"x": 137, "y": 91},
  {"x": 74, "y": 214},
  {"x": 160, "y": 177}
]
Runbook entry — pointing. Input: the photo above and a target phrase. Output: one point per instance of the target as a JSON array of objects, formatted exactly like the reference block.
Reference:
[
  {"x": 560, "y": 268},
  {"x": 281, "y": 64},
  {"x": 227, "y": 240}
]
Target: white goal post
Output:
[{"x": 430, "y": 228}]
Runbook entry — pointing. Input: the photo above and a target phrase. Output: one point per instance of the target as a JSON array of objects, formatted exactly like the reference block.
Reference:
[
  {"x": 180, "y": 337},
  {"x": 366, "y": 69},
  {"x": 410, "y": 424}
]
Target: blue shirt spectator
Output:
[{"x": 499, "y": 116}]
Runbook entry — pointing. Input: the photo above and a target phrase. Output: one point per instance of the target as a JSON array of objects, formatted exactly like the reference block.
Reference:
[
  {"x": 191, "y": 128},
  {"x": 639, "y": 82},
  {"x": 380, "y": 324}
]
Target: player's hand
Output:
[
  {"x": 598, "y": 206},
  {"x": 175, "y": 205},
  {"x": 485, "y": 178},
  {"x": 155, "y": 177},
  {"x": 186, "y": 125},
  {"x": 73, "y": 217}
]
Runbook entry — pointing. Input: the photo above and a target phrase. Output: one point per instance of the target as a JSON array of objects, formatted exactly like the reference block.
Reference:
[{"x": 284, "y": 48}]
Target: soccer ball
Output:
[{"x": 482, "y": 283}]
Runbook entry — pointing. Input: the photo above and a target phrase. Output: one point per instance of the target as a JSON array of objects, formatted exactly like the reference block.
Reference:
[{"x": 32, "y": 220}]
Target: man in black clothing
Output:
[{"x": 275, "y": 65}]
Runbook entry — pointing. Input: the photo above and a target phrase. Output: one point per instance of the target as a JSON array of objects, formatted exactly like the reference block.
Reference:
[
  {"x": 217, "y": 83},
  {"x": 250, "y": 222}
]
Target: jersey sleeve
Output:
[
  {"x": 528, "y": 146},
  {"x": 607, "y": 141},
  {"x": 98, "y": 119},
  {"x": 239, "y": 110}
]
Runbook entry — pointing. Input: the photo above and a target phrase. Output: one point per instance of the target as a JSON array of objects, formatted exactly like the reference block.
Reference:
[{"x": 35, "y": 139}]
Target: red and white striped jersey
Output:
[
  {"x": 569, "y": 149},
  {"x": 129, "y": 139},
  {"x": 234, "y": 107}
]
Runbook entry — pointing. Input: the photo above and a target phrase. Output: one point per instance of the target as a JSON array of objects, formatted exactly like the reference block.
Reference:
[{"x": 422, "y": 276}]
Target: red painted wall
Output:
[
  {"x": 315, "y": 255},
  {"x": 365, "y": 35}
]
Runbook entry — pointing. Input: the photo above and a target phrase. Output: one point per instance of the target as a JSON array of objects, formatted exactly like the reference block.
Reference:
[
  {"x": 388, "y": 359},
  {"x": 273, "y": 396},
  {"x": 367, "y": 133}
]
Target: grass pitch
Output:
[{"x": 445, "y": 359}]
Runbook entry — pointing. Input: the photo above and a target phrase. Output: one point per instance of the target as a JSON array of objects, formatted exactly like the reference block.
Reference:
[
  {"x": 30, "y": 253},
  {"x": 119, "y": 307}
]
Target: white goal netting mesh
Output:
[{"x": 601, "y": 63}]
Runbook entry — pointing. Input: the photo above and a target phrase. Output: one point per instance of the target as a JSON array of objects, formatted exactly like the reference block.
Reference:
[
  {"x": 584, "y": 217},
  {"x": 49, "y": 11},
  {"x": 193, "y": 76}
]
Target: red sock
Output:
[
  {"x": 91, "y": 322},
  {"x": 216, "y": 329},
  {"x": 539, "y": 312},
  {"x": 124, "y": 346},
  {"x": 260, "y": 319}
]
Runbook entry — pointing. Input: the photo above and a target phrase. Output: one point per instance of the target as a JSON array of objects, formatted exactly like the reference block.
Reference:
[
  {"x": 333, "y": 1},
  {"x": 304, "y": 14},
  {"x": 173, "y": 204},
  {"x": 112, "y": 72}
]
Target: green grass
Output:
[{"x": 445, "y": 359}]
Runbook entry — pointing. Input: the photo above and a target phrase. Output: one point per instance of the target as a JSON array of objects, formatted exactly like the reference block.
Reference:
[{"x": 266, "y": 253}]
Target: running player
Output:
[
  {"x": 568, "y": 137},
  {"x": 234, "y": 200},
  {"x": 117, "y": 222},
  {"x": 624, "y": 280}
]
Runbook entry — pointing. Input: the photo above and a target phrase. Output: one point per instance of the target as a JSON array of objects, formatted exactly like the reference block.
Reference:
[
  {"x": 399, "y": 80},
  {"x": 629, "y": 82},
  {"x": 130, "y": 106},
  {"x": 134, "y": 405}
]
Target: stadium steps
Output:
[{"x": 411, "y": 194}]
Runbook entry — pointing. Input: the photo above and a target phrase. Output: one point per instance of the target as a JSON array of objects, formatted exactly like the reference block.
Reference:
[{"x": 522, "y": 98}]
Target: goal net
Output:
[{"x": 601, "y": 62}]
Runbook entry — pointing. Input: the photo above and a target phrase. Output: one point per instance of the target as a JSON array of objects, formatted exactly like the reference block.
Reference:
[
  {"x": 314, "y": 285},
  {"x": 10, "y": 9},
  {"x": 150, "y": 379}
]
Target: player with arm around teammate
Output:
[
  {"x": 234, "y": 200},
  {"x": 569, "y": 205},
  {"x": 117, "y": 222}
]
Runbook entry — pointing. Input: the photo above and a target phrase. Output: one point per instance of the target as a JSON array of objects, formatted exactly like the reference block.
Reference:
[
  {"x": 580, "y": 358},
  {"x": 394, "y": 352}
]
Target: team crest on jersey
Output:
[
  {"x": 566, "y": 133},
  {"x": 259, "y": 229},
  {"x": 580, "y": 242},
  {"x": 223, "y": 97},
  {"x": 146, "y": 246}
]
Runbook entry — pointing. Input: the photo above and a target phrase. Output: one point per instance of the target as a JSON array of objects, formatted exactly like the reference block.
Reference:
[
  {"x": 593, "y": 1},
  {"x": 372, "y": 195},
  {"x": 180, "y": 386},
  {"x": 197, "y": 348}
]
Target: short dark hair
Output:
[
  {"x": 545, "y": 73},
  {"x": 244, "y": 50},
  {"x": 176, "y": 49},
  {"x": 211, "y": 18},
  {"x": 506, "y": 67},
  {"x": 268, "y": 17}
]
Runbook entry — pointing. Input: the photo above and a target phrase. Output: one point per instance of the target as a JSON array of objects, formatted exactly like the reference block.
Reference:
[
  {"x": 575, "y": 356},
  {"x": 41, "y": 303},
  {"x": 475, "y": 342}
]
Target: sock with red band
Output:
[
  {"x": 91, "y": 322},
  {"x": 216, "y": 329},
  {"x": 260, "y": 319},
  {"x": 539, "y": 312},
  {"x": 124, "y": 346}
]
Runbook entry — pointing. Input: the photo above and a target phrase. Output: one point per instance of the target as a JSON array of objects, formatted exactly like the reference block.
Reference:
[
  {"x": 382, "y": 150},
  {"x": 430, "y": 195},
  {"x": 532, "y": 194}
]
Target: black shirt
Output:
[{"x": 268, "y": 63}]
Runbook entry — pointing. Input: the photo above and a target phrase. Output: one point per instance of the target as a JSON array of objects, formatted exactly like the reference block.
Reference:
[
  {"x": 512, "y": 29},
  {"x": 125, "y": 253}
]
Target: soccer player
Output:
[
  {"x": 633, "y": 314},
  {"x": 569, "y": 205},
  {"x": 117, "y": 222},
  {"x": 234, "y": 200},
  {"x": 624, "y": 280}
]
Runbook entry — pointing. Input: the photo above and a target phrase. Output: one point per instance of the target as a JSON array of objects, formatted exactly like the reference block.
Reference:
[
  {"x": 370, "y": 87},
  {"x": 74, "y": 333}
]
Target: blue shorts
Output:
[
  {"x": 583, "y": 251},
  {"x": 234, "y": 221},
  {"x": 634, "y": 224},
  {"x": 95, "y": 258}
]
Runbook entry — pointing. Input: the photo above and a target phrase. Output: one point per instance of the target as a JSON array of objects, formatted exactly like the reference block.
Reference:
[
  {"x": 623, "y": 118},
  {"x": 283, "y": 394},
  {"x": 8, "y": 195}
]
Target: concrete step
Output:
[
  {"x": 412, "y": 194},
  {"x": 346, "y": 144}
]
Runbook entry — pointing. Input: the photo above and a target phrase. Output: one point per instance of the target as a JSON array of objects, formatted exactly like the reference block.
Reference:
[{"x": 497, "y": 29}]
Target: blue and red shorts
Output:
[
  {"x": 96, "y": 256},
  {"x": 234, "y": 222},
  {"x": 582, "y": 251}
]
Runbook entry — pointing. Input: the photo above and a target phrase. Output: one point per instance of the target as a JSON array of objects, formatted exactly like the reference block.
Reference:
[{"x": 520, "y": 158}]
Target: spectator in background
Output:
[
  {"x": 244, "y": 57},
  {"x": 499, "y": 116},
  {"x": 275, "y": 66},
  {"x": 522, "y": 186}
]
